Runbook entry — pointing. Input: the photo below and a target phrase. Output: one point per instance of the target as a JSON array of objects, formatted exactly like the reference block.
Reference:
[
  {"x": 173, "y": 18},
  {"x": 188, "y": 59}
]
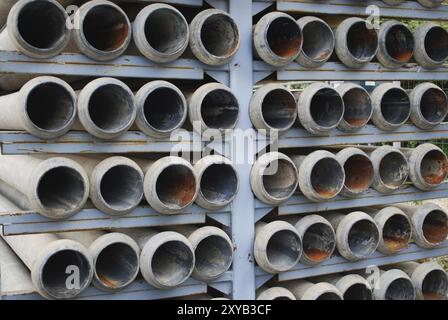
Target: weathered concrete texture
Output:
[
  {"x": 429, "y": 105},
  {"x": 305, "y": 290},
  {"x": 431, "y": 49}
]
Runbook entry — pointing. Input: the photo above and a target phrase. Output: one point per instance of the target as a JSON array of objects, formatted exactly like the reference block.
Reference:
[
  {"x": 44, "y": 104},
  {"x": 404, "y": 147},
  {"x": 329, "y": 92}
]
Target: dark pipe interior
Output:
[
  {"x": 283, "y": 182},
  {"x": 172, "y": 262},
  {"x": 327, "y": 177},
  {"x": 395, "y": 106},
  {"x": 176, "y": 186},
  {"x": 54, "y": 276},
  {"x": 435, "y": 285},
  {"x": 164, "y": 109},
  {"x": 50, "y": 106},
  {"x": 111, "y": 107},
  {"x": 400, "y": 43},
  {"x": 61, "y": 189},
  {"x": 400, "y": 289},
  {"x": 434, "y": 167},
  {"x": 105, "y": 28},
  {"x": 358, "y": 173},
  {"x": 279, "y": 109},
  {"x": 436, "y": 44},
  {"x": 283, "y": 249},
  {"x": 327, "y": 108},
  {"x": 219, "y": 35},
  {"x": 358, "y": 107},
  {"x": 363, "y": 238},
  {"x": 362, "y": 42},
  {"x": 329, "y": 296},
  {"x": 213, "y": 256},
  {"x": 219, "y": 183},
  {"x": 42, "y": 24},
  {"x": 435, "y": 227},
  {"x": 397, "y": 232},
  {"x": 220, "y": 109},
  {"x": 122, "y": 187},
  {"x": 358, "y": 291},
  {"x": 318, "y": 41},
  {"x": 284, "y": 37},
  {"x": 318, "y": 242},
  {"x": 434, "y": 105},
  {"x": 393, "y": 170},
  {"x": 116, "y": 265},
  {"x": 166, "y": 31}
]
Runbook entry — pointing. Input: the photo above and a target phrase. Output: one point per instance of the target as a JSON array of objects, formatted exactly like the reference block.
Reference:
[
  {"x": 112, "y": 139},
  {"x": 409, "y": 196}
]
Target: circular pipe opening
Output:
[
  {"x": 435, "y": 285},
  {"x": 116, "y": 265},
  {"x": 61, "y": 189},
  {"x": 219, "y": 35},
  {"x": 434, "y": 167},
  {"x": 318, "y": 41},
  {"x": 54, "y": 276},
  {"x": 166, "y": 31},
  {"x": 283, "y": 249},
  {"x": 329, "y": 296},
  {"x": 358, "y": 291},
  {"x": 400, "y": 289},
  {"x": 436, "y": 44},
  {"x": 284, "y": 37},
  {"x": 327, "y": 177},
  {"x": 318, "y": 242},
  {"x": 327, "y": 108},
  {"x": 435, "y": 227},
  {"x": 362, "y": 41},
  {"x": 358, "y": 107},
  {"x": 400, "y": 43},
  {"x": 176, "y": 186},
  {"x": 219, "y": 184},
  {"x": 363, "y": 238},
  {"x": 220, "y": 110},
  {"x": 395, "y": 106},
  {"x": 121, "y": 187},
  {"x": 41, "y": 24},
  {"x": 281, "y": 184},
  {"x": 50, "y": 106},
  {"x": 213, "y": 256},
  {"x": 358, "y": 173},
  {"x": 105, "y": 28},
  {"x": 279, "y": 109},
  {"x": 393, "y": 170},
  {"x": 164, "y": 109},
  {"x": 434, "y": 105},
  {"x": 172, "y": 263},
  {"x": 397, "y": 232},
  {"x": 111, "y": 107},
  {"x": 282, "y": 298}
]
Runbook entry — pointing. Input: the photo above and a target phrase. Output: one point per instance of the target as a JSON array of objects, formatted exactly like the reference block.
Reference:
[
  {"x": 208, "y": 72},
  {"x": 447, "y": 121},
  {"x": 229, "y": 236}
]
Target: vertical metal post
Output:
[{"x": 243, "y": 220}]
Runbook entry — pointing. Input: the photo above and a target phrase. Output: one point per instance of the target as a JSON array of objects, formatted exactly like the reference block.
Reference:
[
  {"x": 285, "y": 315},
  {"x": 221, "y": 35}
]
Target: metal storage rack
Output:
[{"x": 241, "y": 74}]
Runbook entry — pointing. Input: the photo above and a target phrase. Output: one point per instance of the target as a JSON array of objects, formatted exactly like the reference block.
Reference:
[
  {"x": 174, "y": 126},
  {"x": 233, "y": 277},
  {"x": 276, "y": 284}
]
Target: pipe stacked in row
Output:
[
  {"x": 58, "y": 187},
  {"x": 322, "y": 175},
  {"x": 312, "y": 239},
  {"x": 404, "y": 281},
  {"x": 102, "y": 31},
  {"x": 321, "y": 108},
  {"x": 279, "y": 40},
  {"x": 47, "y": 107}
]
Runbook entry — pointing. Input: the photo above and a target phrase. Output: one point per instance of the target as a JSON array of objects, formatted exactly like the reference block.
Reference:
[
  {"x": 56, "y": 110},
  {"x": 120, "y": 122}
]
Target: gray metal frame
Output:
[{"x": 240, "y": 217}]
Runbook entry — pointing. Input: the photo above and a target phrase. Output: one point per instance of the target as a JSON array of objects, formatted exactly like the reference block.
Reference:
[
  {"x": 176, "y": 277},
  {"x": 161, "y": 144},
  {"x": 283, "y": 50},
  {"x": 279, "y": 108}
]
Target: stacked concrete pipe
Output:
[
  {"x": 274, "y": 293},
  {"x": 392, "y": 284},
  {"x": 274, "y": 178},
  {"x": 429, "y": 223},
  {"x": 55, "y": 187},
  {"x": 167, "y": 258},
  {"x": 277, "y": 247},
  {"x": 277, "y": 39},
  {"x": 431, "y": 45},
  {"x": 214, "y": 37},
  {"x": 351, "y": 286},
  {"x": 357, "y": 234},
  {"x": 429, "y": 105},
  {"x": 321, "y": 176},
  {"x": 115, "y": 257},
  {"x": 305, "y": 290},
  {"x": 170, "y": 184}
]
